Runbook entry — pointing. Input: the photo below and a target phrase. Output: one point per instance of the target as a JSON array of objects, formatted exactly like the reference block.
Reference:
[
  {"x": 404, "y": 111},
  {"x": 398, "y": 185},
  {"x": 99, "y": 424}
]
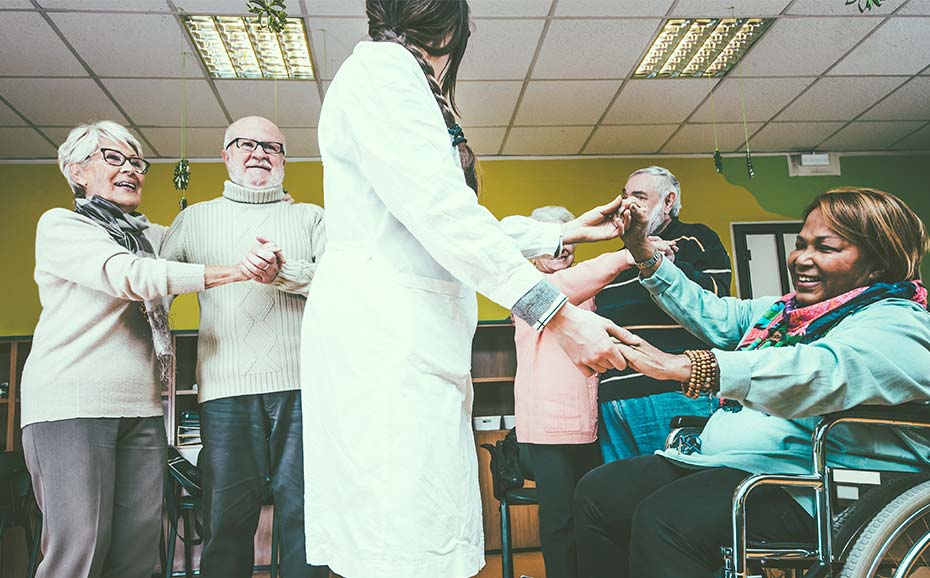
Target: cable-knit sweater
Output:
[
  {"x": 249, "y": 340},
  {"x": 92, "y": 353}
]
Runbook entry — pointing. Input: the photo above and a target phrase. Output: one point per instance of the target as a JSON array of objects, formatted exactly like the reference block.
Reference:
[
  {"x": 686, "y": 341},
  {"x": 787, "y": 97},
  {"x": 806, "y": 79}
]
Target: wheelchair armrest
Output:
[
  {"x": 917, "y": 413},
  {"x": 688, "y": 421}
]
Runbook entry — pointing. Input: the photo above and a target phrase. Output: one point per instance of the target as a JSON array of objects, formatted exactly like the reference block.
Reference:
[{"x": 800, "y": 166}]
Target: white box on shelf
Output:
[{"x": 486, "y": 422}]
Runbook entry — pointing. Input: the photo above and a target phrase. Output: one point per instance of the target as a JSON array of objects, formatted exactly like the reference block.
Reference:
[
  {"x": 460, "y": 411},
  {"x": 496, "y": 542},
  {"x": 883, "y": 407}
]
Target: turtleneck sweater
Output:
[{"x": 249, "y": 339}]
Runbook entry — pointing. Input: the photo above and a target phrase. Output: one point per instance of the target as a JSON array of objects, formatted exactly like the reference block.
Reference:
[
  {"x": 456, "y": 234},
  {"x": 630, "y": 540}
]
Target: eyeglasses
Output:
[
  {"x": 249, "y": 145},
  {"x": 118, "y": 159}
]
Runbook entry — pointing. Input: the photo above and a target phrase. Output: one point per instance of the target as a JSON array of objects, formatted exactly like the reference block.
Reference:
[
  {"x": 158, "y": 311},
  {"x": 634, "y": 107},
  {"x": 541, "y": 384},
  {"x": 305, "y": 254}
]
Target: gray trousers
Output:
[{"x": 99, "y": 484}]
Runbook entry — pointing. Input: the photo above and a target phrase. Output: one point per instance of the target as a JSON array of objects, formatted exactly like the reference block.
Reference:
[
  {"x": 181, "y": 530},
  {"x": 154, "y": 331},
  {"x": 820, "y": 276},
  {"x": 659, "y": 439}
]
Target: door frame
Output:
[{"x": 738, "y": 233}]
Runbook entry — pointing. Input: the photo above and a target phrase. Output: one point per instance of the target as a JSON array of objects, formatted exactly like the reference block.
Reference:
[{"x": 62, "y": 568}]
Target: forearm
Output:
[
  {"x": 216, "y": 275},
  {"x": 585, "y": 280}
]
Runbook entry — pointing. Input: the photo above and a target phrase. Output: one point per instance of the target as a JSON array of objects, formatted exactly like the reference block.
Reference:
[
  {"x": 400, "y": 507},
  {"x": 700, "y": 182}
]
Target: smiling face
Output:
[
  {"x": 561, "y": 261},
  {"x": 119, "y": 185},
  {"x": 254, "y": 169},
  {"x": 824, "y": 265}
]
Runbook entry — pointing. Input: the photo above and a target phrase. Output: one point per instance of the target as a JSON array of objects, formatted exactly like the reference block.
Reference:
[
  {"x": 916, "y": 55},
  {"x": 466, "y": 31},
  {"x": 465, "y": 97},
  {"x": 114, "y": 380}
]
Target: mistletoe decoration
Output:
[
  {"x": 718, "y": 161},
  {"x": 749, "y": 170},
  {"x": 865, "y": 4},
  {"x": 182, "y": 178},
  {"x": 272, "y": 14}
]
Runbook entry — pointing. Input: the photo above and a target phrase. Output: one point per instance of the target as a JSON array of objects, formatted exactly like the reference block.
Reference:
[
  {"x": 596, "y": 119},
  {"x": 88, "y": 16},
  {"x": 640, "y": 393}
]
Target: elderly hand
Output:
[
  {"x": 655, "y": 363},
  {"x": 599, "y": 224},
  {"x": 590, "y": 340},
  {"x": 263, "y": 262},
  {"x": 668, "y": 248},
  {"x": 636, "y": 232},
  {"x": 288, "y": 198}
]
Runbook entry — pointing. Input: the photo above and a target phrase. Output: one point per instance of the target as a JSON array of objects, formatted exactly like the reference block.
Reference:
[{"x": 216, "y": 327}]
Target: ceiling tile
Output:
[
  {"x": 336, "y": 8},
  {"x": 487, "y": 103},
  {"x": 840, "y": 98},
  {"x": 764, "y": 97},
  {"x": 793, "y": 136},
  {"x": 726, "y": 8},
  {"x": 59, "y": 101},
  {"x": 514, "y": 8},
  {"x": 599, "y": 48},
  {"x": 803, "y": 46},
  {"x": 30, "y": 47},
  {"x": 8, "y": 117},
  {"x": 298, "y": 100},
  {"x": 333, "y": 40},
  {"x": 822, "y": 7},
  {"x": 699, "y": 138},
  {"x": 629, "y": 140},
  {"x": 59, "y": 134},
  {"x": 154, "y": 49},
  {"x": 910, "y": 102},
  {"x": 608, "y": 8},
  {"x": 15, "y": 4},
  {"x": 644, "y": 101},
  {"x": 555, "y": 140},
  {"x": 301, "y": 142},
  {"x": 107, "y": 5},
  {"x": 225, "y": 7},
  {"x": 920, "y": 140},
  {"x": 485, "y": 140},
  {"x": 201, "y": 143},
  {"x": 919, "y": 7},
  {"x": 500, "y": 49},
  {"x": 870, "y": 136},
  {"x": 898, "y": 47},
  {"x": 565, "y": 102},
  {"x": 160, "y": 102},
  {"x": 24, "y": 143}
]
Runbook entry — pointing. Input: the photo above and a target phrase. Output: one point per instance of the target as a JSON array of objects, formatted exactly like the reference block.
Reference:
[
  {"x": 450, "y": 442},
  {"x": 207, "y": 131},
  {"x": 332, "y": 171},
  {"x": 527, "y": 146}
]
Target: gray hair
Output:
[
  {"x": 666, "y": 183},
  {"x": 552, "y": 214},
  {"x": 84, "y": 140}
]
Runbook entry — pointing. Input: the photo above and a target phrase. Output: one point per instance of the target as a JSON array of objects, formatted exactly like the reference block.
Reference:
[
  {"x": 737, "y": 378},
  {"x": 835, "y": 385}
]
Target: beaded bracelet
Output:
[{"x": 705, "y": 374}]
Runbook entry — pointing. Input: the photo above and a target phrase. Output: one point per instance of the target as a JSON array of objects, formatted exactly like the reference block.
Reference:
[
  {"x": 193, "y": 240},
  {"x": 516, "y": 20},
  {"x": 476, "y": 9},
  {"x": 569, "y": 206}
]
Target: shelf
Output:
[
  {"x": 185, "y": 392},
  {"x": 492, "y": 379}
]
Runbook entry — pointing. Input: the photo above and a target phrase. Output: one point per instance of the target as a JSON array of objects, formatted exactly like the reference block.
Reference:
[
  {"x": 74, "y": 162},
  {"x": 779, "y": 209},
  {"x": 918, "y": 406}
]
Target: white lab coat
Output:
[{"x": 391, "y": 469}]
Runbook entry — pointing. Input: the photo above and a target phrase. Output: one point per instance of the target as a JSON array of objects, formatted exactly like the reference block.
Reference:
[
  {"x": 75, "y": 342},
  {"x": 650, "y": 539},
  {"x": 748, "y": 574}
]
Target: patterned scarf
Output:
[
  {"x": 127, "y": 230},
  {"x": 785, "y": 324}
]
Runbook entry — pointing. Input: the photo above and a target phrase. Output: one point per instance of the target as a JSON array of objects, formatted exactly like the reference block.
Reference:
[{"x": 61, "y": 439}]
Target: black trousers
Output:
[
  {"x": 252, "y": 451},
  {"x": 558, "y": 469},
  {"x": 646, "y": 517}
]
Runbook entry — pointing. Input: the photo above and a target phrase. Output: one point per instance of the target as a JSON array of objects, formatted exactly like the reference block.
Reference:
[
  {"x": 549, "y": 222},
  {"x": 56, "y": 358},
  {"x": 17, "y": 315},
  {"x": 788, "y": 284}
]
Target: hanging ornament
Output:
[
  {"x": 742, "y": 98},
  {"x": 718, "y": 160},
  {"x": 749, "y": 169},
  {"x": 271, "y": 14},
  {"x": 865, "y": 4},
  {"x": 182, "y": 178},
  {"x": 182, "y": 170}
]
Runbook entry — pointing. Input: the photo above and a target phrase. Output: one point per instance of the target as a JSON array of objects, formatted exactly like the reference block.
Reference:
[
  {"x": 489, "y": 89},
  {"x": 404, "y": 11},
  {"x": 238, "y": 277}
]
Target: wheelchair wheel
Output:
[{"x": 896, "y": 542}]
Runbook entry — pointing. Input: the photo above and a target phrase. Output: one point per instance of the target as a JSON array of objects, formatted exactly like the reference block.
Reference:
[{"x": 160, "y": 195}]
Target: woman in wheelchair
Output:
[{"x": 856, "y": 331}]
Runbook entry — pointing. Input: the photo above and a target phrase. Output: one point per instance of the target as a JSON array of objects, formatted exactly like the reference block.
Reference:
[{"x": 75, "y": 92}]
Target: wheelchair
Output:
[{"x": 886, "y": 534}]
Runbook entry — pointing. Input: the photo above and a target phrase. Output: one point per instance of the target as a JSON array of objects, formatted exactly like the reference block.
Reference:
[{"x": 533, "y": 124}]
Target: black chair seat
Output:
[{"x": 522, "y": 496}]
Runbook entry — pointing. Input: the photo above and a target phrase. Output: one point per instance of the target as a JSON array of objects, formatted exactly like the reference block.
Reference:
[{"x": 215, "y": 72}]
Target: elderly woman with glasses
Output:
[
  {"x": 855, "y": 331},
  {"x": 93, "y": 432}
]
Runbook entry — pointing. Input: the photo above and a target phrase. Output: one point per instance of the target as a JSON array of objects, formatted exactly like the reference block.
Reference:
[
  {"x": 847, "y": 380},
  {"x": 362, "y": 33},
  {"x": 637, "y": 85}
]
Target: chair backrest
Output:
[{"x": 186, "y": 474}]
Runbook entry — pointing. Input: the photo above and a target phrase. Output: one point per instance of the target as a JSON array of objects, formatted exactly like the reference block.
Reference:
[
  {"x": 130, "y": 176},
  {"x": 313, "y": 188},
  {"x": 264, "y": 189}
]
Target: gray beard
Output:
[{"x": 656, "y": 219}]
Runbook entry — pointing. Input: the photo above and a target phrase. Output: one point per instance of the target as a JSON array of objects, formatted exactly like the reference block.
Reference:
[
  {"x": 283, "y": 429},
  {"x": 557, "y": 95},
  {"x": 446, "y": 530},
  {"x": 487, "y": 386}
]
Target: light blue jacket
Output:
[{"x": 879, "y": 355}]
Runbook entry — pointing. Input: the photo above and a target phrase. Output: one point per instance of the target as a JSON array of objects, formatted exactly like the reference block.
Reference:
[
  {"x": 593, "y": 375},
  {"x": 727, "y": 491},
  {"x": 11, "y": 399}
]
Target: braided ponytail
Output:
[{"x": 418, "y": 25}]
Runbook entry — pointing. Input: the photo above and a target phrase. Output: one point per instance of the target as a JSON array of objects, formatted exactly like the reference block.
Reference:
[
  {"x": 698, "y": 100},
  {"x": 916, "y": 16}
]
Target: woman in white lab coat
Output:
[{"x": 391, "y": 470}]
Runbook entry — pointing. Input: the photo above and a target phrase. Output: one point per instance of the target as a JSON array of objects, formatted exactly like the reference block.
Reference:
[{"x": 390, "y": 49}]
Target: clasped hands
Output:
[{"x": 263, "y": 261}]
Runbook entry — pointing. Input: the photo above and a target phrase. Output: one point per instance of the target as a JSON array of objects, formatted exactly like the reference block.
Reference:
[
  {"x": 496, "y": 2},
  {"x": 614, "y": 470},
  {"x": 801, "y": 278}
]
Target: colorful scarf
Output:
[
  {"x": 127, "y": 230},
  {"x": 785, "y": 324}
]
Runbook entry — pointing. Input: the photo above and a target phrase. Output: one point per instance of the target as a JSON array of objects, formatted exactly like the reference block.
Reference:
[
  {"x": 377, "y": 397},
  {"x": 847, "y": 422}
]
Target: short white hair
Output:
[
  {"x": 84, "y": 140},
  {"x": 552, "y": 214},
  {"x": 666, "y": 183}
]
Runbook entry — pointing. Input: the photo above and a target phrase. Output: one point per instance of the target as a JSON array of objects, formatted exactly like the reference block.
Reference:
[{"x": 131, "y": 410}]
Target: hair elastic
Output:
[{"x": 458, "y": 136}]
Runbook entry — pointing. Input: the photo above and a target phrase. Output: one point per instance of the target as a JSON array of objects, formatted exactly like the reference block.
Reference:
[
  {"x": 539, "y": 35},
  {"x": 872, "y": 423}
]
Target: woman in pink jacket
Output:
[{"x": 556, "y": 405}]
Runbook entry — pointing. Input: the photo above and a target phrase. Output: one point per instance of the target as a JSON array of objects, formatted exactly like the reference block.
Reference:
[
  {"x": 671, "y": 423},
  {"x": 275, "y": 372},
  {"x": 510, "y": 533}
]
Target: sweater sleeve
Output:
[
  {"x": 534, "y": 239},
  {"x": 76, "y": 249},
  {"x": 174, "y": 243},
  {"x": 877, "y": 356},
  {"x": 297, "y": 274}
]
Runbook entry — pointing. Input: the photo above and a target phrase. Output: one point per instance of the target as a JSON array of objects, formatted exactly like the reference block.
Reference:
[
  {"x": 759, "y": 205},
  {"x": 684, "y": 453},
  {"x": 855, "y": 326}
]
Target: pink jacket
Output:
[{"x": 555, "y": 403}]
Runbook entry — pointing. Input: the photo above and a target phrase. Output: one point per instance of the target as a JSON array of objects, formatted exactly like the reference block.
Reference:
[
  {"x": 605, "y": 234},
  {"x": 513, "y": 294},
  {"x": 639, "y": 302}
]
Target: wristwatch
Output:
[{"x": 650, "y": 262}]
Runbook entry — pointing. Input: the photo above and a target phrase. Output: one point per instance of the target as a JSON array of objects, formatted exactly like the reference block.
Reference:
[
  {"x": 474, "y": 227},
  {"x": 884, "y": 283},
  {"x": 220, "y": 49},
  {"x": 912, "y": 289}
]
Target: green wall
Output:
[{"x": 508, "y": 187}]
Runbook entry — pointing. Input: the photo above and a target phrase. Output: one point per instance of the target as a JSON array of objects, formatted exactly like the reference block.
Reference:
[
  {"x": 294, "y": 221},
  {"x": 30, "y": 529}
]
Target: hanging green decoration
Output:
[
  {"x": 749, "y": 170},
  {"x": 182, "y": 178},
  {"x": 718, "y": 161},
  {"x": 864, "y": 5},
  {"x": 272, "y": 14},
  {"x": 182, "y": 170}
]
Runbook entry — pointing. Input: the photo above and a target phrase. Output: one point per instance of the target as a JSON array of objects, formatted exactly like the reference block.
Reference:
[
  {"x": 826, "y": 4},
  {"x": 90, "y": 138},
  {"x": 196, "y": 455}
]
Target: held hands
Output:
[
  {"x": 635, "y": 222},
  {"x": 590, "y": 340},
  {"x": 263, "y": 262},
  {"x": 668, "y": 249},
  {"x": 655, "y": 363},
  {"x": 599, "y": 224}
]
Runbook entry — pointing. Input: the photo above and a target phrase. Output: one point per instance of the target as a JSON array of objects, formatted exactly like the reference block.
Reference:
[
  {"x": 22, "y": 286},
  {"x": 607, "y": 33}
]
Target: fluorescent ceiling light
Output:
[
  {"x": 237, "y": 47},
  {"x": 700, "y": 47}
]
